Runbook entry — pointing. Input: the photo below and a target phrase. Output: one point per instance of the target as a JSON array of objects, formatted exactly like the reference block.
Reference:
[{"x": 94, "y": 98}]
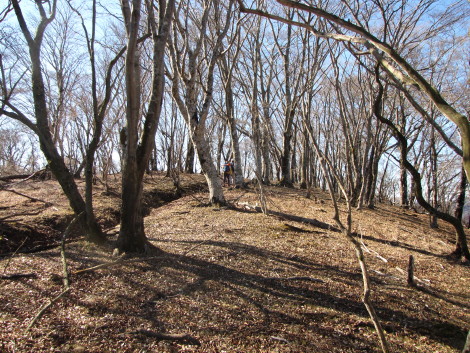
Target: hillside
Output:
[{"x": 230, "y": 280}]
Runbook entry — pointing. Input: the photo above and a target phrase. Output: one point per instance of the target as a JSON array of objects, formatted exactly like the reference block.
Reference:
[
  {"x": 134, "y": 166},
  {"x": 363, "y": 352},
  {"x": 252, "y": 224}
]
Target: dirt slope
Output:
[{"x": 238, "y": 281}]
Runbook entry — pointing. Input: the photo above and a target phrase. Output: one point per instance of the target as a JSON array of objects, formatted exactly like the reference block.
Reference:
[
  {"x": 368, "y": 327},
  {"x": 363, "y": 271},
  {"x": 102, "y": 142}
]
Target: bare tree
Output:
[
  {"x": 394, "y": 64},
  {"x": 188, "y": 61},
  {"x": 137, "y": 153},
  {"x": 461, "y": 240},
  {"x": 42, "y": 127}
]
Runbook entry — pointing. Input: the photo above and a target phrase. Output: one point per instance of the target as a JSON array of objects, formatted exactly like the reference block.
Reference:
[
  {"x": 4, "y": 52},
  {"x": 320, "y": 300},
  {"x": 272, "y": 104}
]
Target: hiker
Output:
[
  {"x": 227, "y": 171},
  {"x": 232, "y": 172}
]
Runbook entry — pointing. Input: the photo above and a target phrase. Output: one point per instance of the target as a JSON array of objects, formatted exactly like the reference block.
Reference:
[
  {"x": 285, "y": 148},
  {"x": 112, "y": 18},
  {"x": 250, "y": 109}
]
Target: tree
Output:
[
  {"x": 42, "y": 126},
  {"x": 137, "y": 153},
  {"x": 461, "y": 247},
  {"x": 99, "y": 107},
  {"x": 227, "y": 64},
  {"x": 394, "y": 64},
  {"x": 192, "y": 71}
]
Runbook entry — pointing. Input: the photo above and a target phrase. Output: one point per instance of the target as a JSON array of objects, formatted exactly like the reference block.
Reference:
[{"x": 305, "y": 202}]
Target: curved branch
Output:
[
  {"x": 462, "y": 247},
  {"x": 375, "y": 45}
]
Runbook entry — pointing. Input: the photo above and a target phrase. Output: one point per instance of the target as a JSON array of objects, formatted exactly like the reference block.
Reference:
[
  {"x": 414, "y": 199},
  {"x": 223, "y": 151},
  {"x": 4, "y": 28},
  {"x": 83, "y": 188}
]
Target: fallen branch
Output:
[
  {"x": 15, "y": 276},
  {"x": 386, "y": 275},
  {"x": 13, "y": 177},
  {"x": 371, "y": 251},
  {"x": 174, "y": 337},
  {"x": 120, "y": 261},
  {"x": 65, "y": 275},
  {"x": 23, "y": 177},
  {"x": 3, "y": 219},
  {"x": 295, "y": 278},
  {"x": 12, "y": 255},
  {"x": 466, "y": 348},
  {"x": 45, "y": 307},
  {"x": 34, "y": 199},
  {"x": 285, "y": 216},
  {"x": 411, "y": 268},
  {"x": 423, "y": 281}
]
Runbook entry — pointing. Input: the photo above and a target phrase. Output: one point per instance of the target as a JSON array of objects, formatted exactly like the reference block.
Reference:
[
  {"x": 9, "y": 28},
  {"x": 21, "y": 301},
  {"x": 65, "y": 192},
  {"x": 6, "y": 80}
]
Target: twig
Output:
[
  {"x": 294, "y": 278},
  {"x": 119, "y": 262},
  {"x": 200, "y": 201},
  {"x": 14, "y": 276},
  {"x": 178, "y": 337},
  {"x": 12, "y": 255},
  {"x": 46, "y": 203},
  {"x": 65, "y": 275},
  {"x": 280, "y": 339},
  {"x": 20, "y": 214},
  {"x": 199, "y": 244},
  {"x": 411, "y": 267},
  {"x": 234, "y": 201}
]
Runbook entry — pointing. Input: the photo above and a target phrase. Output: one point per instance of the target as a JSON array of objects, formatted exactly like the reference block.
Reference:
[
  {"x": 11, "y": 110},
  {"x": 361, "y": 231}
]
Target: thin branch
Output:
[
  {"x": 13, "y": 255},
  {"x": 65, "y": 274},
  {"x": 34, "y": 199}
]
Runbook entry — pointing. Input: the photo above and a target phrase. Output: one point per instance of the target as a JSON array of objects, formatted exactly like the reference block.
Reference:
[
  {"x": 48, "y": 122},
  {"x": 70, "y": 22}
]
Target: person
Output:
[
  {"x": 232, "y": 172},
  {"x": 227, "y": 171}
]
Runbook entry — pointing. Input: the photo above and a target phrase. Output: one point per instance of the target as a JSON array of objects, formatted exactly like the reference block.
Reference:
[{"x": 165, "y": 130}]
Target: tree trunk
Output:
[
  {"x": 42, "y": 128},
  {"x": 403, "y": 174},
  {"x": 433, "y": 157},
  {"x": 461, "y": 197},
  {"x": 216, "y": 195},
  {"x": 132, "y": 236},
  {"x": 190, "y": 156},
  {"x": 304, "y": 161}
]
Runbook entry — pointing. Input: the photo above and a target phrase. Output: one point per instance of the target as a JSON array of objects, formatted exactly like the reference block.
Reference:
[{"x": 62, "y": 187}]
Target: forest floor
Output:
[{"x": 229, "y": 280}]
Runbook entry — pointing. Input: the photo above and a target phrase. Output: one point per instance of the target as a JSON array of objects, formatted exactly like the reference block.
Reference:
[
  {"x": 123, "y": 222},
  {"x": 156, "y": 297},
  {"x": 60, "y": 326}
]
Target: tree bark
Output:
[{"x": 461, "y": 197}]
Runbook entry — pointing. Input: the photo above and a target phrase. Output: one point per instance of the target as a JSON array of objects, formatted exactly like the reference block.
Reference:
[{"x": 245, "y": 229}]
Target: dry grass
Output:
[{"x": 240, "y": 282}]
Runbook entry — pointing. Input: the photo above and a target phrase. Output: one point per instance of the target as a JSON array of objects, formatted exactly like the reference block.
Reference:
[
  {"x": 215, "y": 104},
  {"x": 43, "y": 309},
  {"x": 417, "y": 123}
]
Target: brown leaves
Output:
[{"x": 238, "y": 283}]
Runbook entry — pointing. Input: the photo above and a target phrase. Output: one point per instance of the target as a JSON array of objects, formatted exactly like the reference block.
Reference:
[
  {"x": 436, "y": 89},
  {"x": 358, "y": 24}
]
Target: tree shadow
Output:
[
  {"x": 297, "y": 292},
  {"x": 400, "y": 244},
  {"x": 270, "y": 297}
]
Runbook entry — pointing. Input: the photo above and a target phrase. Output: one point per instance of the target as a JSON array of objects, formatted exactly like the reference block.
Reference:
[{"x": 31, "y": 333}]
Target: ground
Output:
[{"x": 231, "y": 279}]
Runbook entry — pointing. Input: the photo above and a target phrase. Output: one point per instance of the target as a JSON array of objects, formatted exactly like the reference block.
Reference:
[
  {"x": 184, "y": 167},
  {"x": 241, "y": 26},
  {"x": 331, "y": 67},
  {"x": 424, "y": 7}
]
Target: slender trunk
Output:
[
  {"x": 305, "y": 161},
  {"x": 461, "y": 197},
  {"x": 286, "y": 175},
  {"x": 403, "y": 174},
  {"x": 220, "y": 145},
  {"x": 346, "y": 230},
  {"x": 198, "y": 136},
  {"x": 234, "y": 138},
  {"x": 433, "y": 177},
  {"x": 190, "y": 157},
  {"x": 371, "y": 188}
]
